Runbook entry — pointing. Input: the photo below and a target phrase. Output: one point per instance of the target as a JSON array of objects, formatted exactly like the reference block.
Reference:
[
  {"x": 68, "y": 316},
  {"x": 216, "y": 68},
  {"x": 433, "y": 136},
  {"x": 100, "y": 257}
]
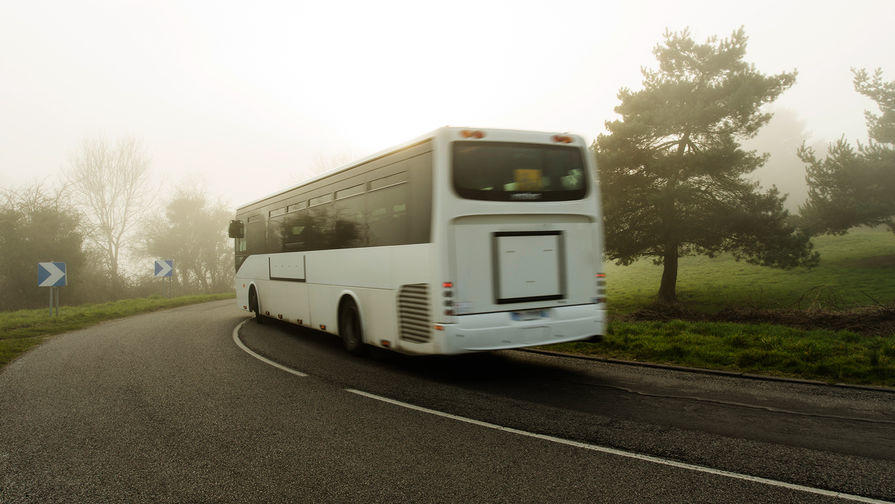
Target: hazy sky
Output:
[{"x": 249, "y": 97}]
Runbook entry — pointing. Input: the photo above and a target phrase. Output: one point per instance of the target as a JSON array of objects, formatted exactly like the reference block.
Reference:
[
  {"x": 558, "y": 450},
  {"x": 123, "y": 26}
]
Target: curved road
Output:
[{"x": 166, "y": 407}]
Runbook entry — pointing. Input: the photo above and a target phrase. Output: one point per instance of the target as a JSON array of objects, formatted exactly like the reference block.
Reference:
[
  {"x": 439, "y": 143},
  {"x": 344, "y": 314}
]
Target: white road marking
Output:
[
  {"x": 578, "y": 444},
  {"x": 261, "y": 358},
  {"x": 622, "y": 453}
]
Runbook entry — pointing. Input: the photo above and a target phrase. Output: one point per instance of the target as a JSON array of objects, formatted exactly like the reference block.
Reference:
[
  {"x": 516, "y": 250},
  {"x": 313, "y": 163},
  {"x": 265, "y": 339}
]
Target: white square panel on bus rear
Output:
[{"x": 528, "y": 267}]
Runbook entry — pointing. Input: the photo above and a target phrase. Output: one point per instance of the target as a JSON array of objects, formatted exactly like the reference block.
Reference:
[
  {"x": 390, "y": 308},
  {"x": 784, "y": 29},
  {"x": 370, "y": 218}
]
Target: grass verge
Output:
[
  {"x": 23, "y": 329},
  {"x": 831, "y": 356},
  {"x": 856, "y": 269}
]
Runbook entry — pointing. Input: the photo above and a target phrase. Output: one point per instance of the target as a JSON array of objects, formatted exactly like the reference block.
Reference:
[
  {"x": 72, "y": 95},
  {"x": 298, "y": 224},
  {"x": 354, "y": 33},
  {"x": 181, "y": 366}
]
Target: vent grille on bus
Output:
[{"x": 413, "y": 313}]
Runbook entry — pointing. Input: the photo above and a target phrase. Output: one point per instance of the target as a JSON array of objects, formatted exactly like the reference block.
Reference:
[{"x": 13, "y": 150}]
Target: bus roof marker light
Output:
[
  {"x": 472, "y": 134},
  {"x": 562, "y": 138},
  {"x": 601, "y": 275},
  {"x": 447, "y": 285}
]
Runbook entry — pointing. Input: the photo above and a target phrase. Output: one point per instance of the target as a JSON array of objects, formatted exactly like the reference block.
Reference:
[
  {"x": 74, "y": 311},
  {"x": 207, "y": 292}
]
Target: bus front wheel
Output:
[
  {"x": 350, "y": 329},
  {"x": 254, "y": 307}
]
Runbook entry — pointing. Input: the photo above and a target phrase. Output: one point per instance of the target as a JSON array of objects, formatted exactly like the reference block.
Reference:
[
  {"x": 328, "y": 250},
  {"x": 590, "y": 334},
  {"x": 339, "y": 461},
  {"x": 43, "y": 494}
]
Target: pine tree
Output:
[
  {"x": 673, "y": 174},
  {"x": 854, "y": 186}
]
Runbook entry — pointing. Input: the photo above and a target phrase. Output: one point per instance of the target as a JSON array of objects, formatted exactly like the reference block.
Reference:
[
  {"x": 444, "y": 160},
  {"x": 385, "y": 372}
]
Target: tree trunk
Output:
[
  {"x": 113, "y": 273},
  {"x": 668, "y": 287}
]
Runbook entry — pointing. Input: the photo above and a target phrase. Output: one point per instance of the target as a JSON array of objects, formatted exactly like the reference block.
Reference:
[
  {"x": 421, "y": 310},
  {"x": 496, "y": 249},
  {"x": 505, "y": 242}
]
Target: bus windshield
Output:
[{"x": 501, "y": 171}]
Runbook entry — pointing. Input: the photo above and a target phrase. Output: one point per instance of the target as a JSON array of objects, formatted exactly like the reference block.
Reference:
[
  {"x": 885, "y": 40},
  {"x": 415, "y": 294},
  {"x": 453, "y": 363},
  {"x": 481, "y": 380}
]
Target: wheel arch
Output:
[
  {"x": 350, "y": 296},
  {"x": 253, "y": 287}
]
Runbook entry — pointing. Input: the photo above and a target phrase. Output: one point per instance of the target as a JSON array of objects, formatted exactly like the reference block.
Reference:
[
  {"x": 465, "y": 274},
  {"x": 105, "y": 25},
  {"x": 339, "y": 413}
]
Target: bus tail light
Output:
[
  {"x": 472, "y": 134},
  {"x": 562, "y": 138},
  {"x": 448, "y": 293},
  {"x": 439, "y": 327},
  {"x": 386, "y": 343}
]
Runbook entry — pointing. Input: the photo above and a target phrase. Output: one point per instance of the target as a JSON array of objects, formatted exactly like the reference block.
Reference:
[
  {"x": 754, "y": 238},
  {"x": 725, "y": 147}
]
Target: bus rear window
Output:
[{"x": 501, "y": 171}]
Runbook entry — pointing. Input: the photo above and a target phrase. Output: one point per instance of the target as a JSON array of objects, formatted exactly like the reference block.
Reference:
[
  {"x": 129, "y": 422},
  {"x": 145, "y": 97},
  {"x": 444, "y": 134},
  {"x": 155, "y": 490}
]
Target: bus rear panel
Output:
[{"x": 518, "y": 216}]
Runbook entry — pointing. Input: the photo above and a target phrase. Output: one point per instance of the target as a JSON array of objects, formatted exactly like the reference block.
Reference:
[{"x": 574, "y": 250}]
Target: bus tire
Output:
[
  {"x": 254, "y": 306},
  {"x": 350, "y": 329}
]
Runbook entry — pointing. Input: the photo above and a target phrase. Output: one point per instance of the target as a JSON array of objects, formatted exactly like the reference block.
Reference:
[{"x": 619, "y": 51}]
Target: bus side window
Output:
[
  {"x": 420, "y": 199},
  {"x": 318, "y": 227},
  {"x": 275, "y": 234},
  {"x": 293, "y": 231},
  {"x": 387, "y": 221},
  {"x": 256, "y": 235},
  {"x": 349, "y": 227}
]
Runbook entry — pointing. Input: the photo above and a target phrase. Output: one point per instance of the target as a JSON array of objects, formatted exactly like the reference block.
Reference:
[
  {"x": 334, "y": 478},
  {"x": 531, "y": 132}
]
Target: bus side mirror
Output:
[{"x": 237, "y": 230}]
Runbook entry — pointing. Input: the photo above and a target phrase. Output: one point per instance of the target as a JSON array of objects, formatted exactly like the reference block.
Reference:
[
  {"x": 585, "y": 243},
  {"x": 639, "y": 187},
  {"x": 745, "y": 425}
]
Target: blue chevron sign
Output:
[
  {"x": 164, "y": 268},
  {"x": 51, "y": 274}
]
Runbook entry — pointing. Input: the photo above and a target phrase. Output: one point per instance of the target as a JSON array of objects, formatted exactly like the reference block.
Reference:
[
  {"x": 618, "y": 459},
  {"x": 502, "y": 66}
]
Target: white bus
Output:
[{"x": 459, "y": 241}]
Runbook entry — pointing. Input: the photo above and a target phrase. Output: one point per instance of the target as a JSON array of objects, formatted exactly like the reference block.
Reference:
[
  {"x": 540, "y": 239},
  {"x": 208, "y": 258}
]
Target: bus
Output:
[{"x": 462, "y": 240}]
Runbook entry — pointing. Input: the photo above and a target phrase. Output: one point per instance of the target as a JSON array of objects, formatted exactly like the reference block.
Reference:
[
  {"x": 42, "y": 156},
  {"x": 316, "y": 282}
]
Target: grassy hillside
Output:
[
  {"x": 22, "y": 329},
  {"x": 857, "y": 269}
]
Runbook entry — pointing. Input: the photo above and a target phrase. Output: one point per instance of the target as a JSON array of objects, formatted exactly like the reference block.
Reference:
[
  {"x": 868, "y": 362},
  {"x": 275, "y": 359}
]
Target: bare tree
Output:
[
  {"x": 322, "y": 163},
  {"x": 193, "y": 234},
  {"x": 109, "y": 182},
  {"x": 325, "y": 163}
]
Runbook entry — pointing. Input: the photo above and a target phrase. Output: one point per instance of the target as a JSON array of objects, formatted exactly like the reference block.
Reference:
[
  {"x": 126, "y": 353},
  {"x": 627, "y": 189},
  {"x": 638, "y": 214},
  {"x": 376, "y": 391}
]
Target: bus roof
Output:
[{"x": 521, "y": 135}]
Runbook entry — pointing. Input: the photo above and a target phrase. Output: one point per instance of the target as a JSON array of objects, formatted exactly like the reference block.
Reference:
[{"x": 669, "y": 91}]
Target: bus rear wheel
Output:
[
  {"x": 254, "y": 307},
  {"x": 350, "y": 329}
]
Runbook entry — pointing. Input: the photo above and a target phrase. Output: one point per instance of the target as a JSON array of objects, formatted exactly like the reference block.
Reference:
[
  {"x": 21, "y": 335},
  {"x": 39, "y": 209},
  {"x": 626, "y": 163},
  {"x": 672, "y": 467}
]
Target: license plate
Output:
[{"x": 528, "y": 314}]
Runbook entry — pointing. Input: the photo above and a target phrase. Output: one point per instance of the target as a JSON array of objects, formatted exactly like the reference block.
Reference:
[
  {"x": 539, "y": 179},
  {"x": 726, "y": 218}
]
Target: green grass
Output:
[
  {"x": 833, "y": 356},
  {"x": 856, "y": 269},
  {"x": 23, "y": 329}
]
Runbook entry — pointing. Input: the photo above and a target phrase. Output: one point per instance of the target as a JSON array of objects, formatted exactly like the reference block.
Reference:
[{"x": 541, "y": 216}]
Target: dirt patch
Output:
[{"x": 876, "y": 320}]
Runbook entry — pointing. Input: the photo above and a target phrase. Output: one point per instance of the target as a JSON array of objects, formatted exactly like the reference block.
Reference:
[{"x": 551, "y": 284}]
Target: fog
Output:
[{"x": 245, "y": 99}]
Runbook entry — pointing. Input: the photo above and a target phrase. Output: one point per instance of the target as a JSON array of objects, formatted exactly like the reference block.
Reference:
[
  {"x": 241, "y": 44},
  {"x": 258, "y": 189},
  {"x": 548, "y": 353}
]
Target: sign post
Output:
[
  {"x": 52, "y": 275},
  {"x": 165, "y": 268}
]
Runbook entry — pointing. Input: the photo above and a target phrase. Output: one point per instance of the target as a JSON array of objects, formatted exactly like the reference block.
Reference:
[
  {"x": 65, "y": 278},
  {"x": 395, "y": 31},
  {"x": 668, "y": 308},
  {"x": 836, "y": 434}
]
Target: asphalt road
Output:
[{"x": 165, "y": 407}]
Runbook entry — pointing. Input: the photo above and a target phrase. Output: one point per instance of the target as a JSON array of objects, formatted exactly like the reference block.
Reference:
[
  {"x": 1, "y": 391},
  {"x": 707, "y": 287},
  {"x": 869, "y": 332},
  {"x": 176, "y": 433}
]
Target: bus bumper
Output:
[{"x": 502, "y": 330}]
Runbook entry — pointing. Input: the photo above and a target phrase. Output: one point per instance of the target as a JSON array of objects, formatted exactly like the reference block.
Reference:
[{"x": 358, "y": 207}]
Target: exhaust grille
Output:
[{"x": 413, "y": 313}]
